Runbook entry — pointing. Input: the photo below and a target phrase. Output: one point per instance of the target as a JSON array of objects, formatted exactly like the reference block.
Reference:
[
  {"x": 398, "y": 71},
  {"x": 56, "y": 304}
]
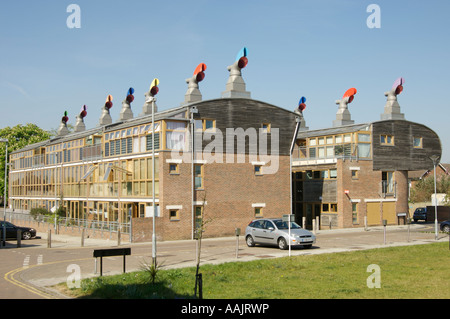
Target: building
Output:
[
  {"x": 239, "y": 169},
  {"x": 223, "y": 161},
  {"x": 355, "y": 175}
]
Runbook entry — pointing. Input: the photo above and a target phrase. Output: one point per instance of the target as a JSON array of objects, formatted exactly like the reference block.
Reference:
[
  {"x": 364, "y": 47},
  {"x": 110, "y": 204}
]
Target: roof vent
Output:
[
  {"x": 343, "y": 116},
  {"x": 63, "y": 130},
  {"x": 126, "y": 113},
  {"x": 105, "y": 118},
  {"x": 299, "y": 110},
  {"x": 150, "y": 98},
  {"x": 193, "y": 93},
  {"x": 235, "y": 87},
  {"x": 392, "y": 108},
  {"x": 79, "y": 125}
]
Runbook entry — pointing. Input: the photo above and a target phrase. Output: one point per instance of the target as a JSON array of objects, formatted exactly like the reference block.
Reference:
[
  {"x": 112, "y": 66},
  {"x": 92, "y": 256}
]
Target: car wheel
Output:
[
  {"x": 282, "y": 243},
  {"x": 250, "y": 241},
  {"x": 446, "y": 229},
  {"x": 26, "y": 235}
]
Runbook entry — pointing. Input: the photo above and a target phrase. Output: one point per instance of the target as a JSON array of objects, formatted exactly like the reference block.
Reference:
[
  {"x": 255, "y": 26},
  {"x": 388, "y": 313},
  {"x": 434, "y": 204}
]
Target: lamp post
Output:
[
  {"x": 435, "y": 159},
  {"x": 5, "y": 140}
]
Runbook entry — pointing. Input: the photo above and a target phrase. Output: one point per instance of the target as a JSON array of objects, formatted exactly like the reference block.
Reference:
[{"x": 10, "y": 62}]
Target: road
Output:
[{"x": 30, "y": 270}]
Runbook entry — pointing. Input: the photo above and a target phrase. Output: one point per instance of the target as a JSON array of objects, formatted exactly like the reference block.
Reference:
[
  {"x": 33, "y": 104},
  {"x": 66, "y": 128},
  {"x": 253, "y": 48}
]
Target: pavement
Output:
[{"x": 31, "y": 271}]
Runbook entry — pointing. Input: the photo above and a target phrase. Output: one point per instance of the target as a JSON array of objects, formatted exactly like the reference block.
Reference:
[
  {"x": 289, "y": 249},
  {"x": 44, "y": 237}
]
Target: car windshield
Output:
[
  {"x": 420, "y": 210},
  {"x": 284, "y": 225}
]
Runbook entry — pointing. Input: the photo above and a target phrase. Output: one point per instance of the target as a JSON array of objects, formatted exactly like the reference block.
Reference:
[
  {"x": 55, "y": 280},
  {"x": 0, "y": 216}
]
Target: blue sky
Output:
[{"x": 316, "y": 49}]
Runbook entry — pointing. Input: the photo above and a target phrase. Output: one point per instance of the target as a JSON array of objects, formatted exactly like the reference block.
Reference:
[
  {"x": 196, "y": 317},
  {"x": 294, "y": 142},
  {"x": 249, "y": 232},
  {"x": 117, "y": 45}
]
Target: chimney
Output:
[
  {"x": 63, "y": 130},
  {"x": 150, "y": 98},
  {"x": 343, "y": 116},
  {"x": 105, "y": 118},
  {"x": 392, "y": 108},
  {"x": 126, "y": 113},
  {"x": 235, "y": 87},
  {"x": 193, "y": 93},
  {"x": 79, "y": 125}
]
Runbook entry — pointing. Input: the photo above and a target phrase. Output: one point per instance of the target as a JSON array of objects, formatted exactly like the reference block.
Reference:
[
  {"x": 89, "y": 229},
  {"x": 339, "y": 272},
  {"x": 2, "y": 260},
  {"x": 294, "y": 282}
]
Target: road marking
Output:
[
  {"x": 26, "y": 262},
  {"x": 10, "y": 277}
]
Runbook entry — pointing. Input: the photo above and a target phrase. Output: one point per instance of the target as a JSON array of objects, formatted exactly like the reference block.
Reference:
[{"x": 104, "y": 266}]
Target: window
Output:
[
  {"x": 204, "y": 125},
  {"x": 258, "y": 212},
  {"x": 149, "y": 142},
  {"x": 173, "y": 169},
  {"x": 355, "y": 174},
  {"x": 386, "y": 139},
  {"x": 257, "y": 169},
  {"x": 175, "y": 135},
  {"x": 387, "y": 179},
  {"x": 174, "y": 214},
  {"x": 417, "y": 142},
  {"x": 198, "y": 217},
  {"x": 209, "y": 124},
  {"x": 363, "y": 145},
  {"x": 355, "y": 213},
  {"x": 198, "y": 174},
  {"x": 266, "y": 127}
]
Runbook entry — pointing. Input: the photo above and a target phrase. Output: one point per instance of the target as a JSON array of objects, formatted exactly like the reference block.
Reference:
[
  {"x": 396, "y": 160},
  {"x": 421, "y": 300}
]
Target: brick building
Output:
[
  {"x": 353, "y": 175},
  {"x": 226, "y": 161},
  {"x": 239, "y": 168}
]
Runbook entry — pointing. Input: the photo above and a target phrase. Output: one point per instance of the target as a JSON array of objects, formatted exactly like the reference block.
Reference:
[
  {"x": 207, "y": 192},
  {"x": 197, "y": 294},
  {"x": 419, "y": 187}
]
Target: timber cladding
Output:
[
  {"x": 248, "y": 114},
  {"x": 402, "y": 155}
]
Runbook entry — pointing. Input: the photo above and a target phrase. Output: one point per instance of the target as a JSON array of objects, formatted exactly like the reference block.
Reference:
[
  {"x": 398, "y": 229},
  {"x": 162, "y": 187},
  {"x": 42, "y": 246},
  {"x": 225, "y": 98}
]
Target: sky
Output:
[{"x": 316, "y": 49}]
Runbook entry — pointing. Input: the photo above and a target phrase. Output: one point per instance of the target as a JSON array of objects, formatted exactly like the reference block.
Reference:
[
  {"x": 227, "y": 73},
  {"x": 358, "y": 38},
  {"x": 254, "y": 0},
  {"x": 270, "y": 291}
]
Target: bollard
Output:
[
  {"x": 118, "y": 237},
  {"x": 19, "y": 238},
  {"x": 49, "y": 239},
  {"x": 237, "y": 232},
  {"x": 82, "y": 237},
  {"x": 384, "y": 226},
  {"x": 314, "y": 226},
  {"x": 303, "y": 222}
]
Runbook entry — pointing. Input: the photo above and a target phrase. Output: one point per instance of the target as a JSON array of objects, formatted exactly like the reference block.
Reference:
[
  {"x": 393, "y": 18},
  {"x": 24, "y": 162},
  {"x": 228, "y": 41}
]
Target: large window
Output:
[
  {"x": 363, "y": 145},
  {"x": 175, "y": 135},
  {"x": 388, "y": 182}
]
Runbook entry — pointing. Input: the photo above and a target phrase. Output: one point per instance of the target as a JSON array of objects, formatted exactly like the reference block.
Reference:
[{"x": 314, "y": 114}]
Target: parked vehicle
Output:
[
  {"x": 11, "y": 231},
  {"x": 420, "y": 214},
  {"x": 445, "y": 226},
  {"x": 275, "y": 231}
]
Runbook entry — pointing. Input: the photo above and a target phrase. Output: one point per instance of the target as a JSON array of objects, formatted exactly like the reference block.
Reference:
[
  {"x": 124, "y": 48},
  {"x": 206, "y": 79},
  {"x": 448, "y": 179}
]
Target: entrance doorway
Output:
[{"x": 312, "y": 212}]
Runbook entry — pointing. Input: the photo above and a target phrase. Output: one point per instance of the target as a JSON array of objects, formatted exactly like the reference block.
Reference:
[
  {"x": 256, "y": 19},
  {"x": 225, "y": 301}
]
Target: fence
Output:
[{"x": 95, "y": 228}]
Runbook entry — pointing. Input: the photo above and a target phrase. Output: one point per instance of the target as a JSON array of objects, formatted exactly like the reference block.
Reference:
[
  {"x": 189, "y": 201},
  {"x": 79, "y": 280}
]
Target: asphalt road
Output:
[{"x": 30, "y": 271}]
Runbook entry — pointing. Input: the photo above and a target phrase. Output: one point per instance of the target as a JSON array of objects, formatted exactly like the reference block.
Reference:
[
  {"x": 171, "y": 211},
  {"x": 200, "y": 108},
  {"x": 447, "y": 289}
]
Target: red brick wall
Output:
[{"x": 229, "y": 191}]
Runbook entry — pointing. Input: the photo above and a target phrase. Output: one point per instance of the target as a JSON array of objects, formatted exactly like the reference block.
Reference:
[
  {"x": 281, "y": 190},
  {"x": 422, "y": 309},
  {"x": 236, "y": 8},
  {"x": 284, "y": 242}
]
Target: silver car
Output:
[{"x": 274, "y": 231}]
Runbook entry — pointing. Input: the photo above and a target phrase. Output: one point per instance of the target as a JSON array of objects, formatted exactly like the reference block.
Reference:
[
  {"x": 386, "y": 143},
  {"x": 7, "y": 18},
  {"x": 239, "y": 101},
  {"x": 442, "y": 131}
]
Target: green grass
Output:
[{"x": 420, "y": 271}]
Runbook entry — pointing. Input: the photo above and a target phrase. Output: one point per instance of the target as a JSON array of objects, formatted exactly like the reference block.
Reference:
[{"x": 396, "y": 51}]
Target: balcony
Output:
[{"x": 329, "y": 154}]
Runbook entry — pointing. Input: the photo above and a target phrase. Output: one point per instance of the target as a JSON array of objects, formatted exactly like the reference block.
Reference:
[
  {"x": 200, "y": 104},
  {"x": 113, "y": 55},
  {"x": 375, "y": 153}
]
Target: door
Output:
[
  {"x": 373, "y": 214},
  {"x": 389, "y": 212},
  {"x": 269, "y": 234},
  {"x": 312, "y": 211}
]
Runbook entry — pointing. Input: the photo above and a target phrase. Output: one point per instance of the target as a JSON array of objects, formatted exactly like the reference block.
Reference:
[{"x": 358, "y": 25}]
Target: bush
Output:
[{"x": 36, "y": 212}]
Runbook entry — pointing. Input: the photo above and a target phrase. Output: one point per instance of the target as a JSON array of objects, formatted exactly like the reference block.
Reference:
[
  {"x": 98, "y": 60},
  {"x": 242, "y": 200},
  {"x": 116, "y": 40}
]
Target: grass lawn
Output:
[{"x": 420, "y": 271}]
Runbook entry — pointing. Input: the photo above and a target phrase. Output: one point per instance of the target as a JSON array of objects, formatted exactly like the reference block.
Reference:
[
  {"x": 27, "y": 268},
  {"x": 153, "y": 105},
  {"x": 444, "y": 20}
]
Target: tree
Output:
[
  {"x": 424, "y": 188},
  {"x": 18, "y": 137}
]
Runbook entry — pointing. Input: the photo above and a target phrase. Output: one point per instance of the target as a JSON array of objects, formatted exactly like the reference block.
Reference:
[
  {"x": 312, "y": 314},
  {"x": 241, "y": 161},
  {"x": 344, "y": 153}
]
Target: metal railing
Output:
[{"x": 89, "y": 224}]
